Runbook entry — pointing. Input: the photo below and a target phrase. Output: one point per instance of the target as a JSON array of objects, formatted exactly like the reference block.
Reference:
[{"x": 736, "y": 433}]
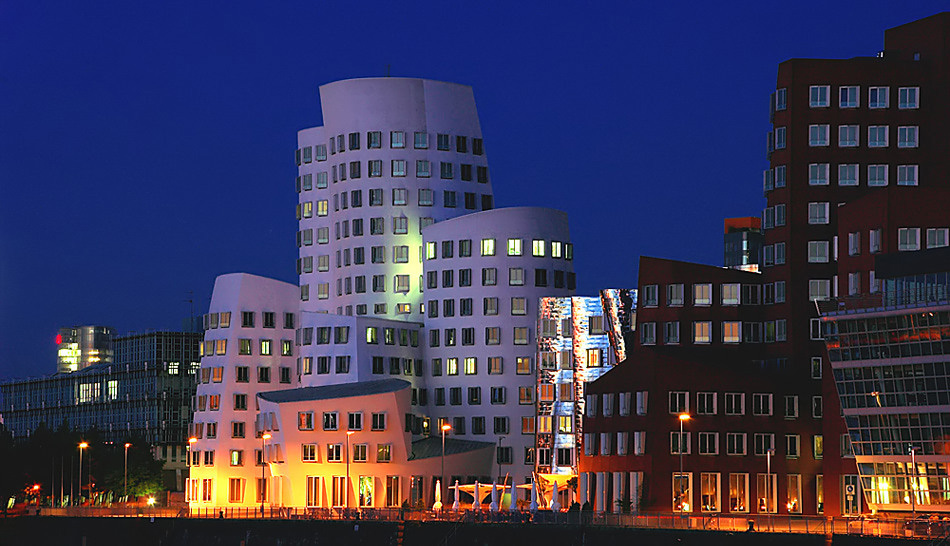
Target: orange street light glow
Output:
[
  {"x": 446, "y": 427},
  {"x": 83, "y": 445},
  {"x": 684, "y": 417},
  {"x": 266, "y": 436}
]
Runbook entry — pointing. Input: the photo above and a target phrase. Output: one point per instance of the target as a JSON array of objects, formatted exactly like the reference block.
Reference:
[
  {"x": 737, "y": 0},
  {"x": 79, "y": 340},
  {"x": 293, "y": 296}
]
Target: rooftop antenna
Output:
[
  {"x": 191, "y": 318},
  {"x": 387, "y": 70}
]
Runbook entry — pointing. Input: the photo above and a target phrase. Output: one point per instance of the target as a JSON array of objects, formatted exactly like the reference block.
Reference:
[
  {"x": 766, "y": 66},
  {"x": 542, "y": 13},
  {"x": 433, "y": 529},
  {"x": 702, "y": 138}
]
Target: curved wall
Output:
[
  {"x": 393, "y": 155},
  {"x": 494, "y": 326}
]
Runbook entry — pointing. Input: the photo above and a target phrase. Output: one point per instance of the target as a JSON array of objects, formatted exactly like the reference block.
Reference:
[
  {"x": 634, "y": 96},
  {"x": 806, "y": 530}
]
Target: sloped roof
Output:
[{"x": 341, "y": 390}]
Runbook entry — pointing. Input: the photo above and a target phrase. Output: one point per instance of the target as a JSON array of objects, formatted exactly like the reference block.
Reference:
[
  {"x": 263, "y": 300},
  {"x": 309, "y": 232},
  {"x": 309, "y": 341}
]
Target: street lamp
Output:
[
  {"x": 126, "y": 475},
  {"x": 683, "y": 418},
  {"x": 444, "y": 428},
  {"x": 82, "y": 446},
  {"x": 347, "y": 485},
  {"x": 263, "y": 488},
  {"x": 913, "y": 483}
]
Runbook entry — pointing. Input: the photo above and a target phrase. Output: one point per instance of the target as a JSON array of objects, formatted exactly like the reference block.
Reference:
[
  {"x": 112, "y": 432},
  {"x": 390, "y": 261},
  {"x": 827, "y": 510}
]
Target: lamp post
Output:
[
  {"x": 82, "y": 446},
  {"x": 683, "y": 418},
  {"x": 125, "y": 475},
  {"x": 264, "y": 438},
  {"x": 444, "y": 428},
  {"x": 347, "y": 485},
  {"x": 913, "y": 483}
]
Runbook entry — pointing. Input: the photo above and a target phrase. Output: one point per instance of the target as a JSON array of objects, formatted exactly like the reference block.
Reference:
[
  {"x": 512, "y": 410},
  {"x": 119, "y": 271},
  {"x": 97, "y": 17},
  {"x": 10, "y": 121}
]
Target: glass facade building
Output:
[{"x": 891, "y": 360}]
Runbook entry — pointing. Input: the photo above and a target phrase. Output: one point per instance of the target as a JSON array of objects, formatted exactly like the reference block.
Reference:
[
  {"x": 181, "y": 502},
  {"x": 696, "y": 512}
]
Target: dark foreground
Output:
[{"x": 186, "y": 532}]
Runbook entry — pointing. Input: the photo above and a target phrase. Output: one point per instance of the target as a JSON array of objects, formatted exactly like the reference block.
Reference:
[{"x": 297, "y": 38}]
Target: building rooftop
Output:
[
  {"x": 427, "y": 448},
  {"x": 329, "y": 392}
]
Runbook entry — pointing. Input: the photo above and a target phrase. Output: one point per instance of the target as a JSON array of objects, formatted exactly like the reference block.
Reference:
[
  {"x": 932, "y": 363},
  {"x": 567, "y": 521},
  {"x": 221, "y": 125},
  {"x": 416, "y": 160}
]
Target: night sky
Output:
[{"x": 146, "y": 148}]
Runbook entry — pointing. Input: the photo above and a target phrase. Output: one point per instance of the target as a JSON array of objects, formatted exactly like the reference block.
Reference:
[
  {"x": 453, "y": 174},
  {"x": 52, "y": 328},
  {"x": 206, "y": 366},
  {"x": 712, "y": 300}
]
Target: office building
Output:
[
  {"x": 78, "y": 347},
  {"x": 742, "y": 243}
]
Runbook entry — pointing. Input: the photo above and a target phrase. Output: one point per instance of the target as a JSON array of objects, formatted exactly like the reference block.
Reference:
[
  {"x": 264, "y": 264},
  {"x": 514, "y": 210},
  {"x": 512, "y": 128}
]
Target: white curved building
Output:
[
  {"x": 393, "y": 155},
  {"x": 485, "y": 274},
  {"x": 406, "y": 271},
  {"x": 248, "y": 348}
]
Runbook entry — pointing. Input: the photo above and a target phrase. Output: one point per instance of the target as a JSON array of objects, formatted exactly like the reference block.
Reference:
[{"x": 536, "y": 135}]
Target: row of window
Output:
[
  {"x": 331, "y": 420},
  {"x": 398, "y": 169},
  {"x": 849, "y": 96},
  {"x": 514, "y": 246},
  {"x": 242, "y": 374},
  {"x": 400, "y": 197},
  {"x": 731, "y": 331},
  {"x": 268, "y": 320},
  {"x": 397, "y": 141},
  {"x": 849, "y": 136},
  {"x": 707, "y": 403},
  {"x": 521, "y": 335},
  {"x": 701, "y": 295}
]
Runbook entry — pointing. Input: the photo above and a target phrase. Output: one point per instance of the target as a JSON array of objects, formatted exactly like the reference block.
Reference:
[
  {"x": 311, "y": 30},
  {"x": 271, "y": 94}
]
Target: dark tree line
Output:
[{"x": 50, "y": 459}]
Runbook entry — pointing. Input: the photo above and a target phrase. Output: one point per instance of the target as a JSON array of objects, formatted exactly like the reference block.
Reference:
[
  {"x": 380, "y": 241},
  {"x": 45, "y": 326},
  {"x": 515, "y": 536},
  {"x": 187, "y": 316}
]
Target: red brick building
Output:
[{"x": 867, "y": 132}]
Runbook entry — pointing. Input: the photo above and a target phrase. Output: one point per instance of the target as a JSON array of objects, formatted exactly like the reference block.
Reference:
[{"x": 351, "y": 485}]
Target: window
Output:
[
  {"x": 848, "y": 174},
  {"x": 514, "y": 247},
  {"x": 680, "y": 443},
  {"x": 818, "y": 135},
  {"x": 818, "y": 252},
  {"x": 817, "y": 408},
  {"x": 237, "y": 457},
  {"x": 335, "y": 453},
  {"x": 735, "y": 443},
  {"x": 819, "y": 289},
  {"x": 779, "y": 138},
  {"x": 907, "y": 137},
  {"x": 781, "y": 97},
  {"x": 709, "y": 443},
  {"x": 818, "y": 174},
  {"x": 817, "y": 213},
  {"x": 849, "y": 96},
  {"x": 648, "y": 333},
  {"x": 936, "y": 237},
  {"x": 763, "y": 442},
  {"x": 702, "y": 294},
  {"x": 397, "y": 139},
  {"x": 878, "y": 97},
  {"x": 235, "y": 487},
  {"x": 515, "y": 276},
  {"x": 791, "y": 406},
  {"x": 420, "y": 141},
  {"x": 423, "y": 168},
  {"x": 848, "y": 136},
  {"x": 650, "y": 295},
  {"x": 702, "y": 331},
  {"x": 488, "y": 247},
  {"x": 679, "y": 402},
  {"x": 330, "y": 420},
  {"x": 674, "y": 295},
  {"x": 818, "y": 446},
  {"x": 537, "y": 248},
  {"x": 520, "y": 336},
  {"x": 907, "y": 175},
  {"x": 731, "y": 331},
  {"x": 877, "y": 175},
  {"x": 706, "y": 403},
  {"x": 761, "y": 404},
  {"x": 446, "y": 171},
  {"x": 907, "y": 97},
  {"x": 671, "y": 333},
  {"x": 816, "y": 367},
  {"x": 523, "y": 365},
  {"x": 877, "y": 136},
  {"x": 908, "y": 239},
  {"x": 818, "y": 96},
  {"x": 730, "y": 293},
  {"x": 735, "y": 403}
]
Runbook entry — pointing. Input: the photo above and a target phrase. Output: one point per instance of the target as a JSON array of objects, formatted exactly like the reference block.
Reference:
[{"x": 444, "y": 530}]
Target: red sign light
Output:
[{"x": 59, "y": 339}]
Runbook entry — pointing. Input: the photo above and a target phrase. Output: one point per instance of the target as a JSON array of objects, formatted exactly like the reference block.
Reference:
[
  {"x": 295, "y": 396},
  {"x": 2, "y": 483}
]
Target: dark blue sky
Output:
[{"x": 147, "y": 147}]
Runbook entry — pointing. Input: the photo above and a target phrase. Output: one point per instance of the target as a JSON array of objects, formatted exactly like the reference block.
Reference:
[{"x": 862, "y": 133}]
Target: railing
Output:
[{"x": 893, "y": 526}]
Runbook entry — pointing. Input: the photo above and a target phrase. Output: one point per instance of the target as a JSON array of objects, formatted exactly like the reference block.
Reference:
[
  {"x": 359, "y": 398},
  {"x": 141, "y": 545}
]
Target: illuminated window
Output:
[
  {"x": 702, "y": 331},
  {"x": 537, "y": 248},
  {"x": 488, "y": 247},
  {"x": 514, "y": 247}
]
